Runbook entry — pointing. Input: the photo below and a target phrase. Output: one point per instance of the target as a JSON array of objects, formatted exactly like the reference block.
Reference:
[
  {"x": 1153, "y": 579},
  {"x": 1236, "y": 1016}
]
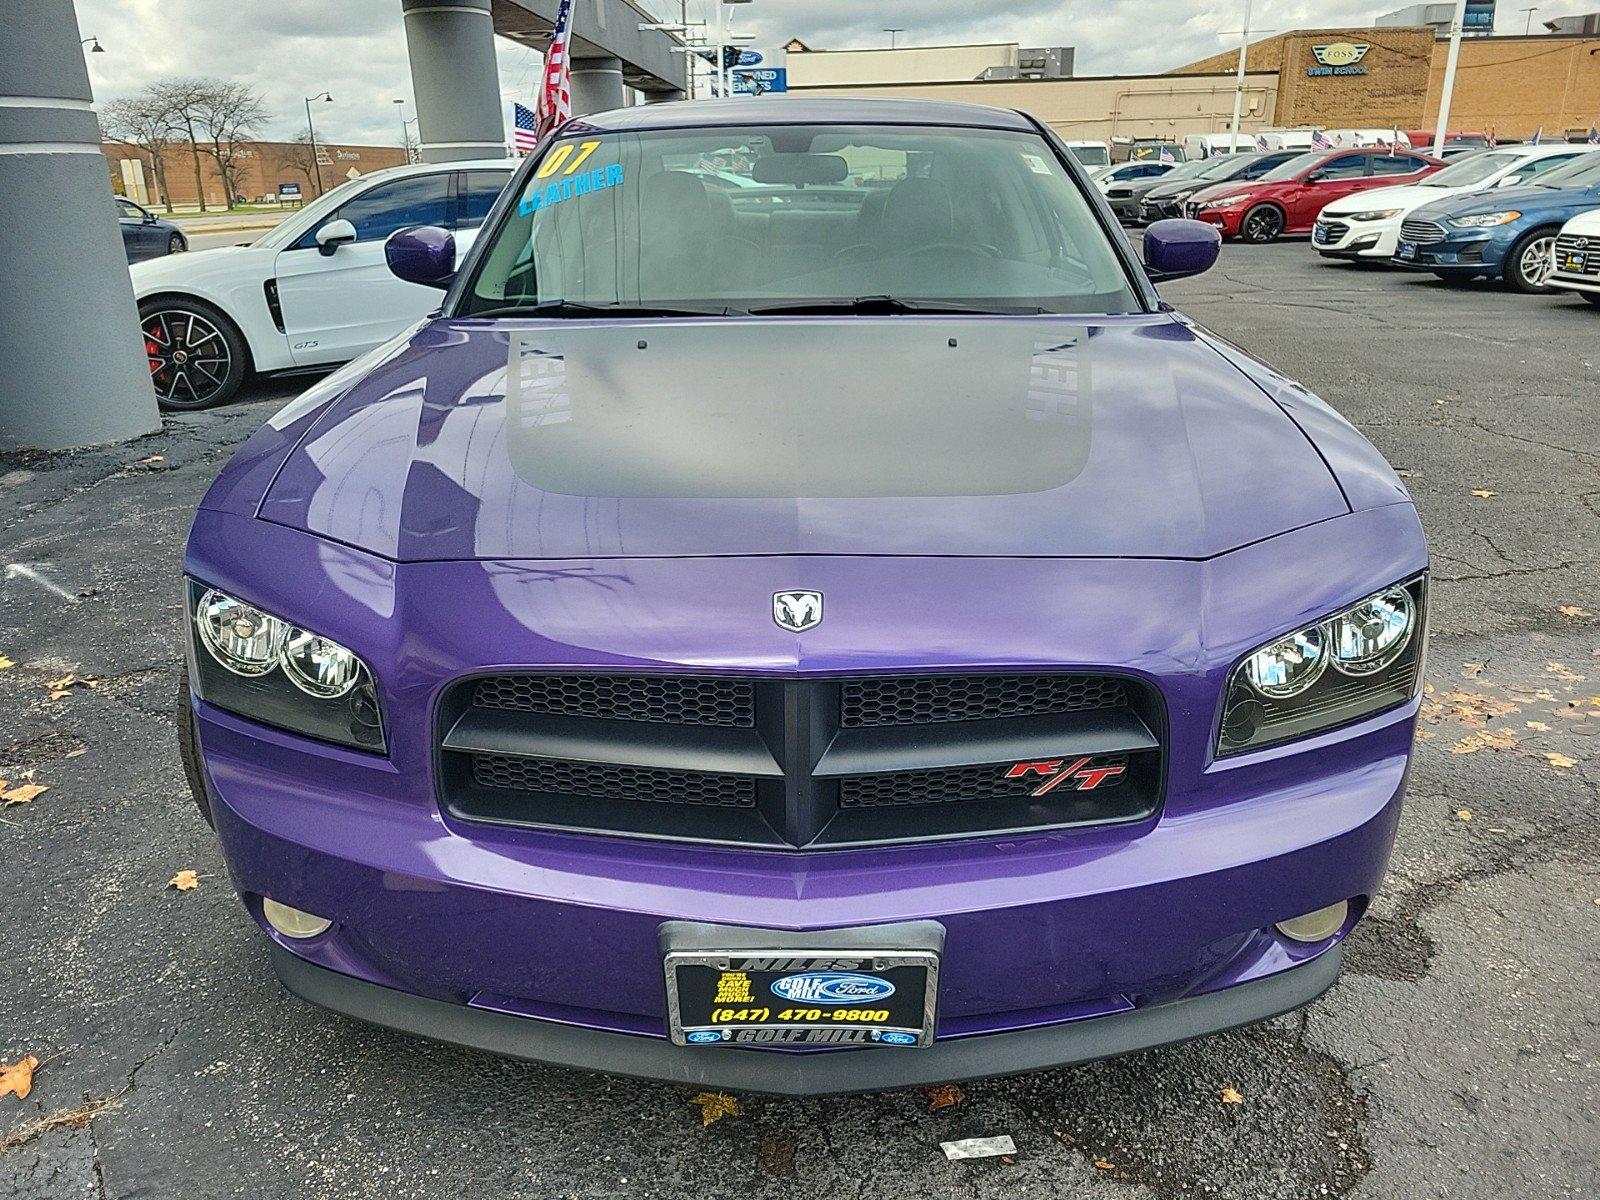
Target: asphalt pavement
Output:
[{"x": 1456, "y": 1058}]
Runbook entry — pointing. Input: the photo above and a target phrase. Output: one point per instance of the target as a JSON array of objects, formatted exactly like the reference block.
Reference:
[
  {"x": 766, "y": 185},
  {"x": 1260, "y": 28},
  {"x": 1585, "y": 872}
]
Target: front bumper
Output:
[
  {"x": 817, "y": 1074},
  {"x": 1340, "y": 237},
  {"x": 1224, "y": 220},
  {"x": 1478, "y": 252}
]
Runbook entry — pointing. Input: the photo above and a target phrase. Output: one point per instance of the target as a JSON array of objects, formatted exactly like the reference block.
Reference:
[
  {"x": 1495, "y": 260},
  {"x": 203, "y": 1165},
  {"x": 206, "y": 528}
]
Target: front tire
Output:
[
  {"x": 1530, "y": 262},
  {"x": 197, "y": 356},
  {"x": 175, "y": 244},
  {"x": 1262, "y": 224}
]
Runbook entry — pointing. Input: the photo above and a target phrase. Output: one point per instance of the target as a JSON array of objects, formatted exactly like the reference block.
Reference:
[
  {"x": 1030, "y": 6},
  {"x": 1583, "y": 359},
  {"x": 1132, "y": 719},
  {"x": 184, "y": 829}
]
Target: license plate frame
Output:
[
  {"x": 760, "y": 1015},
  {"x": 1576, "y": 262},
  {"x": 1406, "y": 250}
]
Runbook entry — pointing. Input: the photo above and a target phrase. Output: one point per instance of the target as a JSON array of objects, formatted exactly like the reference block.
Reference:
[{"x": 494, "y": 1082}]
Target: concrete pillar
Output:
[
  {"x": 453, "y": 76},
  {"x": 660, "y": 97},
  {"x": 596, "y": 85},
  {"x": 74, "y": 373}
]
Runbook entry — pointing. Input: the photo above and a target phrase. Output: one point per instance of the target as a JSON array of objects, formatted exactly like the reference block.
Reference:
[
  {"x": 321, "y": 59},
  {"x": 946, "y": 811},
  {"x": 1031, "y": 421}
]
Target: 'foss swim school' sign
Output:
[{"x": 1339, "y": 58}]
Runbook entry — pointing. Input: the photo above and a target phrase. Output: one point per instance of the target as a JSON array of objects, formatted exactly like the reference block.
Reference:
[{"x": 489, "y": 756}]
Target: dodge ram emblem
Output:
[{"x": 797, "y": 611}]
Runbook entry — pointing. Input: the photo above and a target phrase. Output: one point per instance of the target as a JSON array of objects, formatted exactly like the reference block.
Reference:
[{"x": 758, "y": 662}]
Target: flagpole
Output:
[
  {"x": 1449, "y": 77},
  {"x": 1238, "y": 85}
]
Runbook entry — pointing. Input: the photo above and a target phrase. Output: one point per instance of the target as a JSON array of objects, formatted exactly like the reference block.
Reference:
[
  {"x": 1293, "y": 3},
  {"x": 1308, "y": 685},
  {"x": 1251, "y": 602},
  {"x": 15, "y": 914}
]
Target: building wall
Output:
[
  {"x": 907, "y": 64},
  {"x": 1103, "y": 107},
  {"x": 1511, "y": 84},
  {"x": 265, "y": 165},
  {"x": 1514, "y": 85}
]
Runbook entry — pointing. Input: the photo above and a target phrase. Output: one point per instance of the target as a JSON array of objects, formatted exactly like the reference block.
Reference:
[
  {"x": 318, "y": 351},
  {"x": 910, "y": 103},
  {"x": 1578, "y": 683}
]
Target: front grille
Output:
[
  {"x": 800, "y": 764},
  {"x": 1331, "y": 231},
  {"x": 1588, "y": 247},
  {"x": 665, "y": 699},
  {"x": 608, "y": 780},
  {"x": 1422, "y": 233},
  {"x": 935, "y": 699}
]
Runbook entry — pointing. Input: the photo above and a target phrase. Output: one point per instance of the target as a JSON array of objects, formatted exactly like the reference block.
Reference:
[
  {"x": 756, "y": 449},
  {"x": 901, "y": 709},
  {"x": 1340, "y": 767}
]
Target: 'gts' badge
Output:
[
  {"x": 1057, "y": 771},
  {"x": 797, "y": 611}
]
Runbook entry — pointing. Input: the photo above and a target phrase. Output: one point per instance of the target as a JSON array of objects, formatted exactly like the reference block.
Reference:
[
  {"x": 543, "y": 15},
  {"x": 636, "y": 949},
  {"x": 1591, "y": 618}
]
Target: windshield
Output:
[
  {"x": 884, "y": 218},
  {"x": 1581, "y": 172},
  {"x": 1476, "y": 169},
  {"x": 1292, "y": 168},
  {"x": 1220, "y": 165},
  {"x": 1091, "y": 156}
]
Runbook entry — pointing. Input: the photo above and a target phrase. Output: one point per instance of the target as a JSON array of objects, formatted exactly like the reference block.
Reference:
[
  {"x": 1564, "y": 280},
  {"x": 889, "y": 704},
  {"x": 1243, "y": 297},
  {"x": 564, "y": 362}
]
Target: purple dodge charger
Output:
[{"x": 804, "y": 616}]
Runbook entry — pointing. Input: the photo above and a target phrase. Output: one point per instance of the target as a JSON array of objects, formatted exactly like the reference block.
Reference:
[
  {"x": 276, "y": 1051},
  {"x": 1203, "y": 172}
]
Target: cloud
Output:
[{"x": 290, "y": 49}]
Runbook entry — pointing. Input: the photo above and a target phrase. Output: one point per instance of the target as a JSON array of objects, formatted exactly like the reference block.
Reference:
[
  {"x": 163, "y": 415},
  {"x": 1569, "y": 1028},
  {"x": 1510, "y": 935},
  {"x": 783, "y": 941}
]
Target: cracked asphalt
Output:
[{"x": 1456, "y": 1058}]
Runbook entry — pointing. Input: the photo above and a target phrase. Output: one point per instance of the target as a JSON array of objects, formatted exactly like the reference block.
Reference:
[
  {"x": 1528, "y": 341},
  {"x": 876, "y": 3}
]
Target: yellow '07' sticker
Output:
[{"x": 561, "y": 153}]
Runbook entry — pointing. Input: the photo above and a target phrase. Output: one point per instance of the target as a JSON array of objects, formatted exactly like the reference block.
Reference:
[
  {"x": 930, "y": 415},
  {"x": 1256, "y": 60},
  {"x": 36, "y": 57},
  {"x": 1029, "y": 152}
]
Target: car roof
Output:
[{"x": 793, "y": 110}]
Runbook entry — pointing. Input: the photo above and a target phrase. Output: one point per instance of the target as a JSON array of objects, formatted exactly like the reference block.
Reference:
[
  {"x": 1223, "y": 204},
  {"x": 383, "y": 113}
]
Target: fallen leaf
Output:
[
  {"x": 1483, "y": 493},
  {"x": 5, "y": 663},
  {"x": 943, "y": 1095},
  {"x": 1562, "y": 671},
  {"x": 1572, "y": 610},
  {"x": 187, "y": 881},
  {"x": 1470, "y": 744},
  {"x": 1464, "y": 814},
  {"x": 713, "y": 1105},
  {"x": 154, "y": 458},
  {"x": 1230, "y": 1096},
  {"x": 23, "y": 793},
  {"x": 1560, "y": 760},
  {"x": 1539, "y": 726},
  {"x": 1104, "y": 1165},
  {"x": 1403, "y": 472},
  {"x": 1472, "y": 670},
  {"x": 1426, "y": 735},
  {"x": 17, "y": 1078}
]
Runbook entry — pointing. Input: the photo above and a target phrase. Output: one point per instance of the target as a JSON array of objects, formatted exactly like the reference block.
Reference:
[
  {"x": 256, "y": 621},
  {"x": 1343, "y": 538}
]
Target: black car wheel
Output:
[
  {"x": 1530, "y": 262},
  {"x": 175, "y": 244},
  {"x": 1263, "y": 223},
  {"x": 197, "y": 356}
]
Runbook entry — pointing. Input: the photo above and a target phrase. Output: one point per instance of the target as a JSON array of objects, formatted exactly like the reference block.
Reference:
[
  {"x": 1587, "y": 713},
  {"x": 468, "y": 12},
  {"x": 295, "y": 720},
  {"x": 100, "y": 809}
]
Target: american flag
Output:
[
  {"x": 1492, "y": 139},
  {"x": 525, "y": 139},
  {"x": 555, "y": 93},
  {"x": 1261, "y": 142},
  {"x": 1538, "y": 136},
  {"x": 1321, "y": 141},
  {"x": 1594, "y": 135},
  {"x": 1166, "y": 155}
]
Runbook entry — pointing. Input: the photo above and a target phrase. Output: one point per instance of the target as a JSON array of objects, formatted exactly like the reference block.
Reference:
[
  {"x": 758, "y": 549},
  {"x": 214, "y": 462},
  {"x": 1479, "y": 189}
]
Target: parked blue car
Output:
[
  {"x": 1502, "y": 233},
  {"x": 145, "y": 235}
]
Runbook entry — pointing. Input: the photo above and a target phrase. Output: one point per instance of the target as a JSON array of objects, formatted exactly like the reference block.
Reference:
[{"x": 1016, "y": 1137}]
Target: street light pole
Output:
[
  {"x": 1445, "y": 95},
  {"x": 1528, "y": 28},
  {"x": 402, "y": 111},
  {"x": 311, "y": 132},
  {"x": 891, "y": 30},
  {"x": 1238, "y": 83}
]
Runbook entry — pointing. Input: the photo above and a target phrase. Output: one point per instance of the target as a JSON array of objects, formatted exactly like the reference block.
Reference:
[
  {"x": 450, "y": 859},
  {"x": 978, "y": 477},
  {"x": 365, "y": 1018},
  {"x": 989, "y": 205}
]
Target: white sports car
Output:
[
  {"x": 311, "y": 293},
  {"x": 1367, "y": 224}
]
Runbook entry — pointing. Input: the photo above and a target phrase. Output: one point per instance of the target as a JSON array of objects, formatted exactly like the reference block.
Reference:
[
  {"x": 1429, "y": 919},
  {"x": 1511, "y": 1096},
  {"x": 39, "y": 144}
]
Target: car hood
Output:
[
  {"x": 218, "y": 262},
  {"x": 1227, "y": 191},
  {"x": 1161, "y": 188},
  {"x": 1526, "y": 199},
  {"x": 1404, "y": 197},
  {"x": 1126, "y": 436}
]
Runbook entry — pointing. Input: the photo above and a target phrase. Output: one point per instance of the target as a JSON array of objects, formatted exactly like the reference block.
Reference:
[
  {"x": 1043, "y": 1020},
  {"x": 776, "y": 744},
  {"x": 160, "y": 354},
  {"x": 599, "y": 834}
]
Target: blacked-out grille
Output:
[
  {"x": 788, "y": 764},
  {"x": 958, "y": 784},
  {"x": 935, "y": 699},
  {"x": 613, "y": 782},
  {"x": 662, "y": 699}
]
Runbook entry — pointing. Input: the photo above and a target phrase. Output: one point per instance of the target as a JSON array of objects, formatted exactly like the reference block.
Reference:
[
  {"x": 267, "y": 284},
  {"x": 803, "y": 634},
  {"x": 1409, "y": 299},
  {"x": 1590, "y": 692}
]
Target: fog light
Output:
[
  {"x": 291, "y": 922},
  {"x": 1316, "y": 926}
]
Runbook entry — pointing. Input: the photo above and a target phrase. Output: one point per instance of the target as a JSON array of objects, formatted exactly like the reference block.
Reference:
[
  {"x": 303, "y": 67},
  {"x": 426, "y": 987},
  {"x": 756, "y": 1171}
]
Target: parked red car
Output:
[{"x": 1288, "y": 198}]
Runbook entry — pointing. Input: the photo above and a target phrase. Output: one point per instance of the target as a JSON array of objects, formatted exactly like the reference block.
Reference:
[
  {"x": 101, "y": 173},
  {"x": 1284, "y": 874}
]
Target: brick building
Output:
[
  {"x": 1394, "y": 76},
  {"x": 262, "y": 167}
]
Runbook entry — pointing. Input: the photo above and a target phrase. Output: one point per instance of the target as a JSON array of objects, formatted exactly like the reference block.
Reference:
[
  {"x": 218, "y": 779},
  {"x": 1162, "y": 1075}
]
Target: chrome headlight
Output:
[
  {"x": 1352, "y": 664},
  {"x": 1486, "y": 220},
  {"x": 1377, "y": 214},
  {"x": 259, "y": 666}
]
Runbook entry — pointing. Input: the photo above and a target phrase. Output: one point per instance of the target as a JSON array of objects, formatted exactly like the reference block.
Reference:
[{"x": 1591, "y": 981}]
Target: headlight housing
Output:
[
  {"x": 259, "y": 666},
  {"x": 1486, "y": 220},
  {"x": 1376, "y": 214},
  {"x": 1352, "y": 664}
]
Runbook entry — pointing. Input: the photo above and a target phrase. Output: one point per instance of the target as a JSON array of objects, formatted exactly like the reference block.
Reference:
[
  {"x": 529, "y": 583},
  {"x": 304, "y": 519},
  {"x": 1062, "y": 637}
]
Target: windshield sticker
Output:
[
  {"x": 571, "y": 182},
  {"x": 1036, "y": 164}
]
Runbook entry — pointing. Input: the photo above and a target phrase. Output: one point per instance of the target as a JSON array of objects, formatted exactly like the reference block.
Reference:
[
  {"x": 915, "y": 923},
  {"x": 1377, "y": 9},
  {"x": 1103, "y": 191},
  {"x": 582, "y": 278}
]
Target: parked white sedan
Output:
[
  {"x": 1367, "y": 224},
  {"x": 1577, "y": 257},
  {"x": 311, "y": 293}
]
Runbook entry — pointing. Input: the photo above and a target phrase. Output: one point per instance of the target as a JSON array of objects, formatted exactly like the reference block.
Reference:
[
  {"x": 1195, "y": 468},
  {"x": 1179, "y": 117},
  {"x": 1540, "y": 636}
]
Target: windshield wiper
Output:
[
  {"x": 870, "y": 305},
  {"x": 579, "y": 308}
]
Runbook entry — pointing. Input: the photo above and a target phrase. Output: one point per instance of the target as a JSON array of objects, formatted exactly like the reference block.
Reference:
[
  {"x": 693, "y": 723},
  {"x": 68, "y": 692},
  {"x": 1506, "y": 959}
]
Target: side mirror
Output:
[
  {"x": 333, "y": 235},
  {"x": 1510, "y": 181},
  {"x": 148, "y": 219},
  {"x": 422, "y": 254},
  {"x": 1315, "y": 177},
  {"x": 1175, "y": 249}
]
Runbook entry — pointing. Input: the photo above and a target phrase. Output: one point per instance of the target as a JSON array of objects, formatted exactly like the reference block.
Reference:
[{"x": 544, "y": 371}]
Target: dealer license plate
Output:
[
  {"x": 1319, "y": 233},
  {"x": 1406, "y": 250},
  {"x": 1576, "y": 262},
  {"x": 783, "y": 998}
]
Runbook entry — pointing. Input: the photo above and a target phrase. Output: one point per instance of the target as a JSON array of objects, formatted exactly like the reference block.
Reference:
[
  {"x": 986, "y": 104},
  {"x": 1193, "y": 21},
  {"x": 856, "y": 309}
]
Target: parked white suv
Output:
[
  {"x": 1367, "y": 224},
  {"x": 313, "y": 292},
  {"x": 1577, "y": 257}
]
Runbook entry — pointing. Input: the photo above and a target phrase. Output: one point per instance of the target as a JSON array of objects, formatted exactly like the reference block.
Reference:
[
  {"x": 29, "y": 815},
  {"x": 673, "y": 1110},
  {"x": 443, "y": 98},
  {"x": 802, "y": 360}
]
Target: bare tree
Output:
[
  {"x": 144, "y": 122},
  {"x": 227, "y": 115},
  {"x": 184, "y": 98}
]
